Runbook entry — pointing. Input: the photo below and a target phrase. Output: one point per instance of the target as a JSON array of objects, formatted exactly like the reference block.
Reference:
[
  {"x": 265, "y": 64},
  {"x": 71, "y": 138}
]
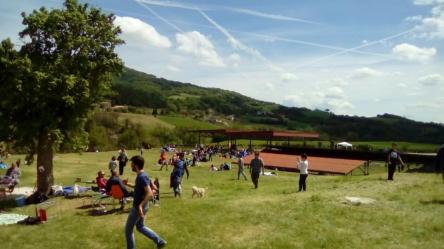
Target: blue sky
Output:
[{"x": 352, "y": 57}]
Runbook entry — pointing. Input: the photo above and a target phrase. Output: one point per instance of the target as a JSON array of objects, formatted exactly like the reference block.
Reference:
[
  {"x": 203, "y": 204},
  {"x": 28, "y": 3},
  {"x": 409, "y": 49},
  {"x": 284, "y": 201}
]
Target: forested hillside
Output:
[{"x": 143, "y": 90}]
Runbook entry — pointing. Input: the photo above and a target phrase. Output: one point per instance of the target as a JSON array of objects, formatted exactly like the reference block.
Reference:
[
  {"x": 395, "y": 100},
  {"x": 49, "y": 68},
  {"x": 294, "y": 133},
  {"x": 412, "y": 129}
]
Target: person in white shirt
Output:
[{"x": 303, "y": 172}]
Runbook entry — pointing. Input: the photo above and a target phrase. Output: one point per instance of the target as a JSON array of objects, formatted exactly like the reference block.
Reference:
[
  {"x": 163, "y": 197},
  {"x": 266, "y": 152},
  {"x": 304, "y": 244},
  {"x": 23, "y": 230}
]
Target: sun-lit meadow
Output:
[{"x": 407, "y": 213}]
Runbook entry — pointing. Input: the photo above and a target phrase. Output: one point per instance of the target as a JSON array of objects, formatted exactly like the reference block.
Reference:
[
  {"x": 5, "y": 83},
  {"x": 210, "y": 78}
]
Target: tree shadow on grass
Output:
[
  {"x": 433, "y": 201},
  {"x": 97, "y": 211},
  {"x": 421, "y": 168}
]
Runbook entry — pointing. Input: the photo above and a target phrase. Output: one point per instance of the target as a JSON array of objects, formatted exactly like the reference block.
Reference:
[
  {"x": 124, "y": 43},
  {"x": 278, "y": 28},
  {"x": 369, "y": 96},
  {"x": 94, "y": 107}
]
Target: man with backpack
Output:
[{"x": 393, "y": 159}]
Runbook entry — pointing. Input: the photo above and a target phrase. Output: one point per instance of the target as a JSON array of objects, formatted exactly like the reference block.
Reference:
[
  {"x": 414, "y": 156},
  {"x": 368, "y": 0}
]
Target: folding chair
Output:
[{"x": 117, "y": 194}]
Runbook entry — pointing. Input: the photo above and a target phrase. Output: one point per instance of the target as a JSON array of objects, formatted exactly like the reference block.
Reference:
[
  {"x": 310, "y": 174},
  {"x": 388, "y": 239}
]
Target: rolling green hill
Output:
[{"x": 204, "y": 104}]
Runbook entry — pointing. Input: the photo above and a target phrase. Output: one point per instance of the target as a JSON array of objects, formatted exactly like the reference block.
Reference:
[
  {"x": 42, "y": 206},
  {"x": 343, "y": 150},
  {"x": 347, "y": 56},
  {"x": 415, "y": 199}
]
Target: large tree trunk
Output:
[{"x": 45, "y": 154}]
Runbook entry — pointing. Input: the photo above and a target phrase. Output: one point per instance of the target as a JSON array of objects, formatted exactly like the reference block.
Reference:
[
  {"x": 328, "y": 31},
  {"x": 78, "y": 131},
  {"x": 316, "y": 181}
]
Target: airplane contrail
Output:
[
  {"x": 357, "y": 47},
  {"x": 232, "y": 9},
  {"x": 160, "y": 17}
]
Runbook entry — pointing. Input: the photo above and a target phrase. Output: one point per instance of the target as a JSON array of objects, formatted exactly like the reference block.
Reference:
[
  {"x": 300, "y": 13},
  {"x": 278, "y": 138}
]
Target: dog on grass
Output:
[{"x": 199, "y": 192}]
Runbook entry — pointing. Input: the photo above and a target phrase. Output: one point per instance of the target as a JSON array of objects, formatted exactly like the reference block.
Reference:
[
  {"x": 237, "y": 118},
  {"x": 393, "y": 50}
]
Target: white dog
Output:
[{"x": 199, "y": 192}]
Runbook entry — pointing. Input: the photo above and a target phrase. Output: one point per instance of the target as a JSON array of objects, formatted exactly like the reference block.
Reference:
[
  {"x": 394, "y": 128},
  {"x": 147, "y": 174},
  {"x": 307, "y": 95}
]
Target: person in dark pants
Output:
[
  {"x": 142, "y": 194},
  {"x": 303, "y": 172},
  {"x": 393, "y": 158},
  {"x": 115, "y": 180},
  {"x": 123, "y": 159},
  {"x": 180, "y": 168},
  {"x": 256, "y": 166}
]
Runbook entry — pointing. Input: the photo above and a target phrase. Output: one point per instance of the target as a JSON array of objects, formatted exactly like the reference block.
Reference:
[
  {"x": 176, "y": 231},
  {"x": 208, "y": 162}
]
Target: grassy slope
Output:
[
  {"x": 145, "y": 120},
  {"x": 408, "y": 212},
  {"x": 188, "y": 122}
]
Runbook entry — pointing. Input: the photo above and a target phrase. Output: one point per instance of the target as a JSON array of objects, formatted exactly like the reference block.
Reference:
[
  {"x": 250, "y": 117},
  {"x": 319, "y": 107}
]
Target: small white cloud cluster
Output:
[
  {"x": 141, "y": 34},
  {"x": 332, "y": 98},
  {"x": 411, "y": 52},
  {"x": 431, "y": 26},
  {"x": 365, "y": 72},
  {"x": 136, "y": 32},
  {"x": 431, "y": 80},
  {"x": 200, "y": 46}
]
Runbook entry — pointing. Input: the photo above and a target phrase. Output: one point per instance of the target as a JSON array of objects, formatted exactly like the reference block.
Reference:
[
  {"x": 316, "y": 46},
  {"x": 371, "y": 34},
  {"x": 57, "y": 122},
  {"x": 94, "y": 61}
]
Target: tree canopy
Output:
[{"x": 49, "y": 85}]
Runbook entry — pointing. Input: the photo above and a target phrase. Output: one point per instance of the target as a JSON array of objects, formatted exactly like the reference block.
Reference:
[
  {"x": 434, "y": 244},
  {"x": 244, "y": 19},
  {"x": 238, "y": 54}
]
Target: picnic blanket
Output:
[
  {"x": 7, "y": 219},
  {"x": 74, "y": 190}
]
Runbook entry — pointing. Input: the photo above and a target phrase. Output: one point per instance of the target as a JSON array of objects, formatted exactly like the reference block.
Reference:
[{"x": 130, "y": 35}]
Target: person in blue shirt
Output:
[
  {"x": 142, "y": 194},
  {"x": 180, "y": 168}
]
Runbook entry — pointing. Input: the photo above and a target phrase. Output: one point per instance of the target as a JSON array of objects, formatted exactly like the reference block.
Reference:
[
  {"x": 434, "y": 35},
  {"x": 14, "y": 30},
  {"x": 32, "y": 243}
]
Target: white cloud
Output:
[
  {"x": 402, "y": 85},
  {"x": 136, "y": 32},
  {"x": 432, "y": 26},
  {"x": 340, "y": 106},
  {"x": 335, "y": 93},
  {"x": 333, "y": 99},
  {"x": 173, "y": 68},
  {"x": 365, "y": 72},
  {"x": 431, "y": 80},
  {"x": 427, "y": 2},
  {"x": 198, "y": 45},
  {"x": 414, "y": 18},
  {"x": 413, "y": 53},
  {"x": 288, "y": 77}
]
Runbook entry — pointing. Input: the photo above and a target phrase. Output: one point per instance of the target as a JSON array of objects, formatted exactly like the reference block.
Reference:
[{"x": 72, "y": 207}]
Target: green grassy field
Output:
[{"x": 407, "y": 212}]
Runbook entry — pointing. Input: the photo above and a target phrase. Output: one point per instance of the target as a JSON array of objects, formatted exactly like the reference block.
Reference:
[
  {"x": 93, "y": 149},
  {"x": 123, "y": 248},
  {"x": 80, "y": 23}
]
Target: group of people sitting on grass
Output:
[
  {"x": 116, "y": 168},
  {"x": 203, "y": 154},
  {"x": 105, "y": 185}
]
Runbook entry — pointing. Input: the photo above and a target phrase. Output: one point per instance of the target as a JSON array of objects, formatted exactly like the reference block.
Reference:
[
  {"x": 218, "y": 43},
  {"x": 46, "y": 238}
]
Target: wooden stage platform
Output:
[{"x": 288, "y": 162}]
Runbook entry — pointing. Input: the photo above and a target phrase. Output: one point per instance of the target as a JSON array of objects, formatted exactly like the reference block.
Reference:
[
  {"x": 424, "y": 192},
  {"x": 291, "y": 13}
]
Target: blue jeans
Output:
[{"x": 135, "y": 220}]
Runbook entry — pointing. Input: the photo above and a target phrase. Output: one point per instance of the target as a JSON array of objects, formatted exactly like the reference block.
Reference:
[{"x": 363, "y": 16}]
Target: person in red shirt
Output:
[{"x": 101, "y": 181}]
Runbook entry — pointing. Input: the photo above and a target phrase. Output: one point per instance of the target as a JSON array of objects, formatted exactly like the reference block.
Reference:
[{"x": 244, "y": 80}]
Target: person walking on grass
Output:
[
  {"x": 142, "y": 194},
  {"x": 256, "y": 166},
  {"x": 123, "y": 159},
  {"x": 240, "y": 162},
  {"x": 393, "y": 159},
  {"x": 303, "y": 172}
]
